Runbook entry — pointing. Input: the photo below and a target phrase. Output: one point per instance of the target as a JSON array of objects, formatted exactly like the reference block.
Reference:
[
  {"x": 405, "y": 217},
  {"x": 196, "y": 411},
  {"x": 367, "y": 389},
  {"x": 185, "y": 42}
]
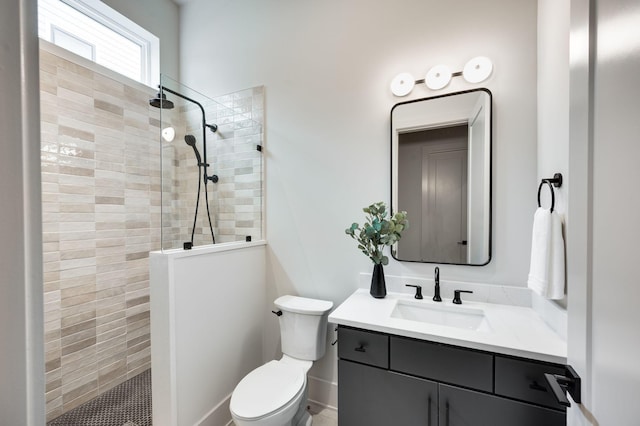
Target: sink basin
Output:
[{"x": 449, "y": 316}]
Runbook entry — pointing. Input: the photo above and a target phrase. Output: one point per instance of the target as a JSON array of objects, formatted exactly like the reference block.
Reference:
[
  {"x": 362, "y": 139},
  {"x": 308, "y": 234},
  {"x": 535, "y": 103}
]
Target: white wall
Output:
[
  {"x": 616, "y": 203},
  {"x": 161, "y": 18},
  {"x": 579, "y": 234},
  {"x": 553, "y": 96},
  {"x": 553, "y": 102},
  {"x": 326, "y": 67},
  {"x": 603, "y": 203},
  {"x": 21, "y": 314},
  {"x": 207, "y": 321}
]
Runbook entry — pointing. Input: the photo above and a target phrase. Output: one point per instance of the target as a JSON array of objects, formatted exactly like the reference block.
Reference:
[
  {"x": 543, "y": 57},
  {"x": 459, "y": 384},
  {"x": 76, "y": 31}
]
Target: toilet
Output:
[{"x": 275, "y": 394}]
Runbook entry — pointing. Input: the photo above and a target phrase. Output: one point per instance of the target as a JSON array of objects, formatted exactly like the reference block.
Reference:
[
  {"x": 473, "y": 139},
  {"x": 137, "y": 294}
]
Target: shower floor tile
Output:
[{"x": 128, "y": 404}]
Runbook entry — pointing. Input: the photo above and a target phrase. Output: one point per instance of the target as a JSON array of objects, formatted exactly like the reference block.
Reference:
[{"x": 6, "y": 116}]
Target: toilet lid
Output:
[{"x": 267, "y": 389}]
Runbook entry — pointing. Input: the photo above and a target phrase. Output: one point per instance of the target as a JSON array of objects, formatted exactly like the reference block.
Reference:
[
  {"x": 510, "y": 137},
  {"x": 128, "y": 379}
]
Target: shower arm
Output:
[{"x": 213, "y": 128}]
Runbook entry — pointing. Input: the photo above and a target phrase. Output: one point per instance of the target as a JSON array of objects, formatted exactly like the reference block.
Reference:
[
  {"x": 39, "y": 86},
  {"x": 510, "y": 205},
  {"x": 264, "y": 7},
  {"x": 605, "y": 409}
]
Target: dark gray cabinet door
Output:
[
  {"x": 462, "y": 407},
  {"x": 375, "y": 397}
]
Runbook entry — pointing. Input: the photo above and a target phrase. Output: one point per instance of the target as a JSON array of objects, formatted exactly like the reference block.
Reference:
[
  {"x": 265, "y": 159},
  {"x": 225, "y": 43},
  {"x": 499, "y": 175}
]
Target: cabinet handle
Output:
[
  {"x": 536, "y": 386},
  {"x": 447, "y": 413},
  {"x": 360, "y": 348}
]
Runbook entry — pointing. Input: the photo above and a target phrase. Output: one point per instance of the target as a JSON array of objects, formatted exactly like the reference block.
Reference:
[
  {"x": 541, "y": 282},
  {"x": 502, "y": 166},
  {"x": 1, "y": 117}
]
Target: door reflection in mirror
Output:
[{"x": 441, "y": 175}]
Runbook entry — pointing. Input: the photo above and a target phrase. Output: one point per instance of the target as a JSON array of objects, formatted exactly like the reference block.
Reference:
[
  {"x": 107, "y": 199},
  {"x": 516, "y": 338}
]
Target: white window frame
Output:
[
  {"x": 118, "y": 23},
  {"x": 55, "y": 30}
]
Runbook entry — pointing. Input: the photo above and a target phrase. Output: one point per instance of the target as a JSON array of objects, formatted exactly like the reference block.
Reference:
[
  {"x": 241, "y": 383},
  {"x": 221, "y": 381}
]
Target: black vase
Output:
[{"x": 378, "y": 287}]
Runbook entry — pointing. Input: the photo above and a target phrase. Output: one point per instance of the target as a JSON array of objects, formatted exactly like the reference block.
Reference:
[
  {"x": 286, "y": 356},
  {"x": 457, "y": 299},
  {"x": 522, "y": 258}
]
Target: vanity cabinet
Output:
[
  {"x": 378, "y": 397},
  {"x": 464, "y": 407},
  {"x": 391, "y": 380}
]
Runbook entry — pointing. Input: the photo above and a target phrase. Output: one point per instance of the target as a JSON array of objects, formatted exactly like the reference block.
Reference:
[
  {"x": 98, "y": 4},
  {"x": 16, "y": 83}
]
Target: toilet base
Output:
[
  {"x": 302, "y": 417},
  {"x": 305, "y": 419}
]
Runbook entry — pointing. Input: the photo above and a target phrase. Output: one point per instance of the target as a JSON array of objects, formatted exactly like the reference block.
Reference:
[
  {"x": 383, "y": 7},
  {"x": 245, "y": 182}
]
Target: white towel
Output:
[{"x": 546, "y": 272}]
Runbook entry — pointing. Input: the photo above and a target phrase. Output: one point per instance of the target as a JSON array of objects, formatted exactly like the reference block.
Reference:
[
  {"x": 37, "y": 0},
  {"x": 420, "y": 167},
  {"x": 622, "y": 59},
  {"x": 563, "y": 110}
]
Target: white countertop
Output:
[{"x": 515, "y": 330}]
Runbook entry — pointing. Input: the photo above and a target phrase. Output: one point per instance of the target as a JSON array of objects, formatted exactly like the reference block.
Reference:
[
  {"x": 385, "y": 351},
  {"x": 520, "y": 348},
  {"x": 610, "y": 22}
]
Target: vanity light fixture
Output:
[
  {"x": 438, "y": 77},
  {"x": 402, "y": 84},
  {"x": 477, "y": 69}
]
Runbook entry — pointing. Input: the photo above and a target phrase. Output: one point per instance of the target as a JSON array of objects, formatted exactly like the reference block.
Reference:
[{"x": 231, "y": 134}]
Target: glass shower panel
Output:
[{"x": 212, "y": 166}]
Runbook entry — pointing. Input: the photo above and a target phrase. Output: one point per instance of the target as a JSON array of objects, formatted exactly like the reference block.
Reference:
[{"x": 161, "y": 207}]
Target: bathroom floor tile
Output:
[
  {"x": 128, "y": 404},
  {"x": 320, "y": 420}
]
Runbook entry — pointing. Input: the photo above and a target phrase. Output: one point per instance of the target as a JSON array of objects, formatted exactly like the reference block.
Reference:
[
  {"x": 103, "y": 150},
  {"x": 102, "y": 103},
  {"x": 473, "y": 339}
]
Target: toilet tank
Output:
[{"x": 303, "y": 326}]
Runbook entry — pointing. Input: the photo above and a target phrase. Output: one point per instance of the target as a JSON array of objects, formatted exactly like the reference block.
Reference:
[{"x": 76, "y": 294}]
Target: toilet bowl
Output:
[
  {"x": 275, "y": 394},
  {"x": 270, "y": 395}
]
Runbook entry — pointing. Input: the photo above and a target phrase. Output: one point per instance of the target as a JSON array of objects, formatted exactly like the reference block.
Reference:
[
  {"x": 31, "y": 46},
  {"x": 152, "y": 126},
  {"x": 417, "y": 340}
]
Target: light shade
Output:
[
  {"x": 402, "y": 84},
  {"x": 168, "y": 134},
  {"x": 438, "y": 77},
  {"x": 477, "y": 69}
]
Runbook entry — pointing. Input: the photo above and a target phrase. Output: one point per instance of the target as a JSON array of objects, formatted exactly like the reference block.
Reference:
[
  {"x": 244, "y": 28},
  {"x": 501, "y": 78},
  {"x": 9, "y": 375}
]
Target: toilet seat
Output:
[{"x": 267, "y": 389}]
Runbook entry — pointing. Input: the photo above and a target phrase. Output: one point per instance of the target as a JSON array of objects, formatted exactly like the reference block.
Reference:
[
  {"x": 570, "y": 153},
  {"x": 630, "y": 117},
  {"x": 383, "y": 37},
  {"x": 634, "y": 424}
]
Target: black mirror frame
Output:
[{"x": 487, "y": 91}]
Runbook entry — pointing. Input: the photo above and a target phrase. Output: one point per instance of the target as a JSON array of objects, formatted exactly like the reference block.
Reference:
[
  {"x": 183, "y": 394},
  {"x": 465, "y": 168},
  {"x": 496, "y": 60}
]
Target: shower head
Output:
[
  {"x": 161, "y": 101},
  {"x": 191, "y": 141}
]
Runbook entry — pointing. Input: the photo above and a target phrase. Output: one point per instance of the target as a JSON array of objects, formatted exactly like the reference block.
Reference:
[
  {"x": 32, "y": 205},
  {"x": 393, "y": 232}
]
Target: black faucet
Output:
[
  {"x": 436, "y": 290},
  {"x": 456, "y": 296},
  {"x": 418, "y": 290}
]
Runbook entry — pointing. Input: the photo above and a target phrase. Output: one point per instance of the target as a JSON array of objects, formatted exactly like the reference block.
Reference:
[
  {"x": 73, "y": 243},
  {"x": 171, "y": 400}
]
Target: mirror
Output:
[{"x": 441, "y": 176}]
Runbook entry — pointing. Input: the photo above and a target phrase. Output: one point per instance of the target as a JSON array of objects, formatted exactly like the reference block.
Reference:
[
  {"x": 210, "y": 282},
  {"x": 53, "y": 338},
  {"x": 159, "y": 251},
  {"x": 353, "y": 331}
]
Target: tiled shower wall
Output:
[
  {"x": 239, "y": 198},
  {"x": 101, "y": 214},
  {"x": 235, "y": 201}
]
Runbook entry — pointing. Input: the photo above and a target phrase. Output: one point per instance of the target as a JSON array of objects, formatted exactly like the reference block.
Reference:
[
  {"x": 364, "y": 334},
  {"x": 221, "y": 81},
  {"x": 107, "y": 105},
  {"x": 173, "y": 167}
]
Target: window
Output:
[{"x": 91, "y": 29}]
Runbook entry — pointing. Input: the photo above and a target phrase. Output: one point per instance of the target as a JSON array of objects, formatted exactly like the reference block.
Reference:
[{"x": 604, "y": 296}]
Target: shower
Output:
[{"x": 161, "y": 101}]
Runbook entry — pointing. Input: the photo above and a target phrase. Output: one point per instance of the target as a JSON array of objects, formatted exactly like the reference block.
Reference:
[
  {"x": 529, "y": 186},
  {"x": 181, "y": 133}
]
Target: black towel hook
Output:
[{"x": 556, "y": 181}]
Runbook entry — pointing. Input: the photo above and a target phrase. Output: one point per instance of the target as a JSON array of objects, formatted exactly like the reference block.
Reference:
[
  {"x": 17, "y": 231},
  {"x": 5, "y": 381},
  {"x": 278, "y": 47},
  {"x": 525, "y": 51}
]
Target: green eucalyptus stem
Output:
[{"x": 377, "y": 231}]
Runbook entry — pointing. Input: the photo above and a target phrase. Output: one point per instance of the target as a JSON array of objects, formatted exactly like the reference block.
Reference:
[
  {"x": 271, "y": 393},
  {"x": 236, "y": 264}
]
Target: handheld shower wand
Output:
[{"x": 191, "y": 141}]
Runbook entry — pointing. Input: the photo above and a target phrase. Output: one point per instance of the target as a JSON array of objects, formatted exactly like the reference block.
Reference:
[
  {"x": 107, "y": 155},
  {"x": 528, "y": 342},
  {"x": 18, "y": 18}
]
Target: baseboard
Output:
[
  {"x": 322, "y": 393},
  {"x": 218, "y": 416}
]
